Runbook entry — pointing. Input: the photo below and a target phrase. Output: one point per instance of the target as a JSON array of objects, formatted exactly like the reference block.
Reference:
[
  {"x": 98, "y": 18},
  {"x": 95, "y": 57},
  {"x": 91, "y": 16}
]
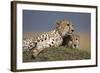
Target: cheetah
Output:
[
  {"x": 71, "y": 41},
  {"x": 49, "y": 39}
]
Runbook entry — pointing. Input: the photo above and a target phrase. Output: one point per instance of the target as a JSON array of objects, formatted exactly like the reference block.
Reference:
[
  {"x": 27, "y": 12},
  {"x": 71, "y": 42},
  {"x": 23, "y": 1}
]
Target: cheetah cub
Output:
[{"x": 71, "y": 41}]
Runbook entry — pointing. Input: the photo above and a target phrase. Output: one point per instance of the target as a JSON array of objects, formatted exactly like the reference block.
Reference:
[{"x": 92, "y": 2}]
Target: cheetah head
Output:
[
  {"x": 74, "y": 41},
  {"x": 64, "y": 27},
  {"x": 71, "y": 41}
]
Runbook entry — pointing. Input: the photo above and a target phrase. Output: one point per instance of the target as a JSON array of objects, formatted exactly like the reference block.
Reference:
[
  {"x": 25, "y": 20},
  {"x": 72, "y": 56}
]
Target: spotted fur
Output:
[
  {"x": 49, "y": 39},
  {"x": 71, "y": 41}
]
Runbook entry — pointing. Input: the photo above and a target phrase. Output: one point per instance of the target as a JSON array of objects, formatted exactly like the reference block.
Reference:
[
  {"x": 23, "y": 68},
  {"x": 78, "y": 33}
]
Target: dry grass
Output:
[
  {"x": 60, "y": 53},
  {"x": 57, "y": 54}
]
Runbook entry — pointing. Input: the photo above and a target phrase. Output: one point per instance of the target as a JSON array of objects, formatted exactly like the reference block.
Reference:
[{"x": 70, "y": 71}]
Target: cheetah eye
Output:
[{"x": 67, "y": 24}]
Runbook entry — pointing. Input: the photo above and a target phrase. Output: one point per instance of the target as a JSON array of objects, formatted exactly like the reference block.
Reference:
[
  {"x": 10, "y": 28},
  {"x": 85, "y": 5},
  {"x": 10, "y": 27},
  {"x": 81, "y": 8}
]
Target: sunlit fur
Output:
[{"x": 49, "y": 39}]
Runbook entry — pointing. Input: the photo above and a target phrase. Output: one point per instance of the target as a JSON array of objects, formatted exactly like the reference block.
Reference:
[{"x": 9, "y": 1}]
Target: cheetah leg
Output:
[
  {"x": 36, "y": 52},
  {"x": 41, "y": 50}
]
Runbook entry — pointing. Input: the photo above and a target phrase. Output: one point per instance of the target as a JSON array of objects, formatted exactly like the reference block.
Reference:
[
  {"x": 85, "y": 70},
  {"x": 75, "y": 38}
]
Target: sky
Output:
[{"x": 41, "y": 21}]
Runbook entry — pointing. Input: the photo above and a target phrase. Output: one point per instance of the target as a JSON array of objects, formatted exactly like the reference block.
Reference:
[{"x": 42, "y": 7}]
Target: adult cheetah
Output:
[{"x": 49, "y": 39}]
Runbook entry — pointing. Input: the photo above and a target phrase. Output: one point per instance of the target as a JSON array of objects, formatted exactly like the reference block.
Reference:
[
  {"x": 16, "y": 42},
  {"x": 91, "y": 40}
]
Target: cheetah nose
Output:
[
  {"x": 72, "y": 30},
  {"x": 75, "y": 45}
]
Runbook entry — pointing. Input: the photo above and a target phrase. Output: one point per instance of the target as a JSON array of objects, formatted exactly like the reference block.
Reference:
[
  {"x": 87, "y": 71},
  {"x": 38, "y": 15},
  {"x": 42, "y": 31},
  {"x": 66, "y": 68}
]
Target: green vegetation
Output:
[{"x": 57, "y": 54}]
